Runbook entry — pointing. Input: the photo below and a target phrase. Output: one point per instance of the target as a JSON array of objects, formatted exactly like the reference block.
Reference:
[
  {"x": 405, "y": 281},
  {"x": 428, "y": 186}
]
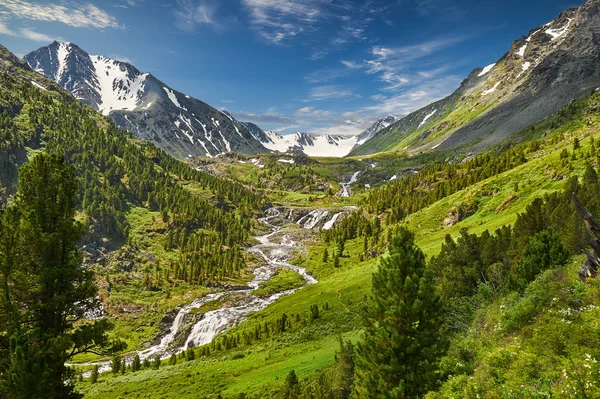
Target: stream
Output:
[
  {"x": 346, "y": 186},
  {"x": 217, "y": 321}
]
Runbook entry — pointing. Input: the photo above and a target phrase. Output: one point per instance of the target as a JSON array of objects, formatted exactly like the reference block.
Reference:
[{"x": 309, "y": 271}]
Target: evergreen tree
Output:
[
  {"x": 53, "y": 291},
  {"x": 402, "y": 344},
  {"x": 156, "y": 362},
  {"x": 544, "y": 251},
  {"x": 291, "y": 387},
  {"x": 115, "y": 364},
  {"x": 94, "y": 375},
  {"x": 342, "y": 373},
  {"x": 136, "y": 364}
]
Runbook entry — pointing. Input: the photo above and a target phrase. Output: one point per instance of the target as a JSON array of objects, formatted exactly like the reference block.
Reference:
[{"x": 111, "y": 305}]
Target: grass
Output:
[
  {"x": 262, "y": 366},
  {"x": 282, "y": 281}
]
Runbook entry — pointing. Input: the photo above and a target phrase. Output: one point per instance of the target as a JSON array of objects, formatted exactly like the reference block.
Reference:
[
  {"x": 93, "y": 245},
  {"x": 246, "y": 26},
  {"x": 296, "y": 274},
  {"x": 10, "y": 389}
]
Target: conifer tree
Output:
[
  {"x": 53, "y": 291},
  {"x": 291, "y": 387},
  {"x": 398, "y": 357}
]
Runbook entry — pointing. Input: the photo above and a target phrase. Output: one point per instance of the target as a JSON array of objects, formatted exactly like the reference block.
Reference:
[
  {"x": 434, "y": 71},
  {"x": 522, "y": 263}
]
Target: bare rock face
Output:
[{"x": 459, "y": 213}]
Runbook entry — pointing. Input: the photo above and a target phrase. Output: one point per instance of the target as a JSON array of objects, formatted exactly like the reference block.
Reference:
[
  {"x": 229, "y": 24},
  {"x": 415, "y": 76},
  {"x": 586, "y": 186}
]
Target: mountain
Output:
[
  {"x": 541, "y": 73},
  {"x": 375, "y": 128},
  {"x": 313, "y": 145},
  {"x": 140, "y": 103}
]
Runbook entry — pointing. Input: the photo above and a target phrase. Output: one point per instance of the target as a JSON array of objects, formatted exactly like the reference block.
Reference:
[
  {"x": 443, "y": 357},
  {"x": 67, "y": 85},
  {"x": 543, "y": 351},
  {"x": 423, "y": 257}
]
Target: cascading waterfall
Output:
[
  {"x": 346, "y": 186},
  {"x": 311, "y": 220},
  {"x": 217, "y": 321},
  {"x": 329, "y": 225}
]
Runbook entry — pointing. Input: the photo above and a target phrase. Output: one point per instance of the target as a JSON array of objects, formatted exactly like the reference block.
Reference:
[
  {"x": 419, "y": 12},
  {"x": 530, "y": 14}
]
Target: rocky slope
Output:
[
  {"x": 177, "y": 123},
  {"x": 541, "y": 73},
  {"x": 376, "y": 128}
]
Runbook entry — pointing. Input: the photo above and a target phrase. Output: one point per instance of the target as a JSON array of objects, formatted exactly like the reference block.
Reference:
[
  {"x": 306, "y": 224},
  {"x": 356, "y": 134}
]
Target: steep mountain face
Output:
[
  {"x": 309, "y": 144},
  {"x": 375, "y": 128},
  {"x": 140, "y": 103},
  {"x": 543, "y": 71}
]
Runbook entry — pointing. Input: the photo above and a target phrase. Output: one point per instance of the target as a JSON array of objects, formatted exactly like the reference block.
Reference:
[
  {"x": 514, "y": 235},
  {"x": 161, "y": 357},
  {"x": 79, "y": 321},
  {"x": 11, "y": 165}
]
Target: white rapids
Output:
[
  {"x": 346, "y": 186},
  {"x": 216, "y": 321}
]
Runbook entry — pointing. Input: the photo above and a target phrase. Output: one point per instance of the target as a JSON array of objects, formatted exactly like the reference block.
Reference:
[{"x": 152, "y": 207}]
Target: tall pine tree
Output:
[
  {"x": 48, "y": 290},
  {"x": 399, "y": 355}
]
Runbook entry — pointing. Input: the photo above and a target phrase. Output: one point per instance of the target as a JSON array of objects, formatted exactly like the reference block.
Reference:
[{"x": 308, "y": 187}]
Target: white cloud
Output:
[
  {"x": 402, "y": 67},
  {"x": 278, "y": 20},
  {"x": 304, "y": 110},
  {"x": 36, "y": 36},
  {"x": 417, "y": 97},
  {"x": 378, "y": 97},
  {"x": 5, "y": 30},
  {"x": 190, "y": 14},
  {"x": 351, "y": 64},
  {"x": 71, "y": 13},
  {"x": 26, "y": 33},
  {"x": 330, "y": 92}
]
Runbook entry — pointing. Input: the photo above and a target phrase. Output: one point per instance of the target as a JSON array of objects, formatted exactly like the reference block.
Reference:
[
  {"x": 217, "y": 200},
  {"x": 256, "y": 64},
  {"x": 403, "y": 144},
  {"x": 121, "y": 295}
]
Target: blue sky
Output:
[{"x": 325, "y": 66}]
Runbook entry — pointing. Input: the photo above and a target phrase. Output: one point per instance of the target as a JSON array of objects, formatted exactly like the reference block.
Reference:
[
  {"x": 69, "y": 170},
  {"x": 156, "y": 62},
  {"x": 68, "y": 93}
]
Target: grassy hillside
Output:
[{"x": 310, "y": 345}]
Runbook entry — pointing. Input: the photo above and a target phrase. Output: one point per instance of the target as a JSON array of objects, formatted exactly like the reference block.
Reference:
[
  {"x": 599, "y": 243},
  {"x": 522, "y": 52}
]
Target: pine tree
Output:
[
  {"x": 291, "y": 386},
  {"x": 136, "y": 364},
  {"x": 94, "y": 375},
  {"x": 54, "y": 291},
  {"x": 402, "y": 344}
]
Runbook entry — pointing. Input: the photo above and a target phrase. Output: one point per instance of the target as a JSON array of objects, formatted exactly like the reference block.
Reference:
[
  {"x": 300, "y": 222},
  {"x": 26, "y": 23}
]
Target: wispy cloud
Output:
[
  {"x": 330, "y": 92},
  {"x": 351, "y": 64},
  {"x": 26, "y": 33},
  {"x": 278, "y": 20},
  {"x": 268, "y": 117},
  {"x": 399, "y": 67},
  {"x": 190, "y": 14},
  {"x": 419, "y": 96},
  {"x": 36, "y": 36},
  {"x": 78, "y": 15}
]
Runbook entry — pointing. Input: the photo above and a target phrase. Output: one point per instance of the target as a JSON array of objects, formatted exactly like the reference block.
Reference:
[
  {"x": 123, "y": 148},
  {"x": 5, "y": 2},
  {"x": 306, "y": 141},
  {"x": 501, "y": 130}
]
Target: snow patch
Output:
[
  {"x": 173, "y": 98},
  {"x": 62, "y": 53},
  {"x": 557, "y": 33},
  {"x": 39, "y": 86},
  {"x": 118, "y": 90},
  {"x": 486, "y": 69},
  {"x": 424, "y": 121},
  {"x": 286, "y": 161},
  {"x": 490, "y": 91}
]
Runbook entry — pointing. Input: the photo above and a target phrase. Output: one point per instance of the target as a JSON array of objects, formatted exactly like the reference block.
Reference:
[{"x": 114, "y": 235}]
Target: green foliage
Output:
[
  {"x": 399, "y": 355},
  {"x": 46, "y": 291},
  {"x": 94, "y": 375},
  {"x": 283, "y": 280},
  {"x": 291, "y": 387},
  {"x": 136, "y": 364},
  {"x": 544, "y": 251}
]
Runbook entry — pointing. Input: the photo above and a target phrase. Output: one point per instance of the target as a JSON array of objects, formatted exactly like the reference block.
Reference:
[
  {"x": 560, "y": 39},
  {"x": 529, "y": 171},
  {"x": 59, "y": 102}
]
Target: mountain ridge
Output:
[
  {"x": 142, "y": 104},
  {"x": 541, "y": 73}
]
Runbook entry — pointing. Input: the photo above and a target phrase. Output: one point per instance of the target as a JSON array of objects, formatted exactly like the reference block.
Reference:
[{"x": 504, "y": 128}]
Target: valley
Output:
[{"x": 155, "y": 246}]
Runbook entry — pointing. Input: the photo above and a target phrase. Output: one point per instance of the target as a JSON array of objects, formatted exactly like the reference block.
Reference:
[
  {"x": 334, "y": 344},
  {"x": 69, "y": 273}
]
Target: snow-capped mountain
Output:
[
  {"x": 376, "y": 127},
  {"x": 177, "y": 123},
  {"x": 313, "y": 145}
]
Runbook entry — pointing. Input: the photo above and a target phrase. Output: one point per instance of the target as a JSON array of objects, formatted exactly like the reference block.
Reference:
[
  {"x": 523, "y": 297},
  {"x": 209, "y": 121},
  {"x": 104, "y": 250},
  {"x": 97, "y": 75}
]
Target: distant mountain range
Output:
[
  {"x": 541, "y": 73},
  {"x": 177, "y": 123}
]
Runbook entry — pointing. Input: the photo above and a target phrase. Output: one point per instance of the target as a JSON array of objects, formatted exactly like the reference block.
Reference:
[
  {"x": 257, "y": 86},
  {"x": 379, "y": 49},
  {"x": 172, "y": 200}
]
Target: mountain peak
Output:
[{"x": 179, "y": 124}]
